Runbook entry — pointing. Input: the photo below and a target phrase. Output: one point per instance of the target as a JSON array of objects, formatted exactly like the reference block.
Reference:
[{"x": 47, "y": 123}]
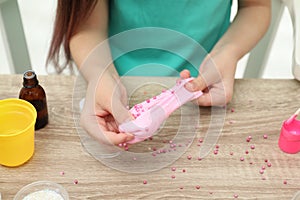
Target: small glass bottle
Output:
[{"x": 35, "y": 94}]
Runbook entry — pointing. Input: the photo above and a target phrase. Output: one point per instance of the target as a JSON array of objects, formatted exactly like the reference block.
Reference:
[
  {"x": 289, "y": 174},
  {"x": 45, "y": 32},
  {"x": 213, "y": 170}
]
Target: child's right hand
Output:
[{"x": 104, "y": 109}]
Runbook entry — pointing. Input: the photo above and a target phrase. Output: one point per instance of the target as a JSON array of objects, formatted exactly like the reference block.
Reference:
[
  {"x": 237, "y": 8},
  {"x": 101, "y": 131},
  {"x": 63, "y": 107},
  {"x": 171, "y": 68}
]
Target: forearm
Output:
[
  {"x": 248, "y": 27},
  {"x": 89, "y": 45}
]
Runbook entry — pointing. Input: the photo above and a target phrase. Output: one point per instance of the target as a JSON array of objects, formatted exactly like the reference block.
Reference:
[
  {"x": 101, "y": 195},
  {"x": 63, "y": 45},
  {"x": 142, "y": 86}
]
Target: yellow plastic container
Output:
[{"x": 17, "y": 119}]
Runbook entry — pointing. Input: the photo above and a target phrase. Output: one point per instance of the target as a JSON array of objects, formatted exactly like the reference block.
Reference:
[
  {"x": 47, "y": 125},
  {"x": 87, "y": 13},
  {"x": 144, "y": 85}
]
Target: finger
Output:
[
  {"x": 198, "y": 84},
  {"x": 94, "y": 128},
  {"x": 215, "y": 97},
  {"x": 119, "y": 138},
  {"x": 120, "y": 112},
  {"x": 185, "y": 74}
]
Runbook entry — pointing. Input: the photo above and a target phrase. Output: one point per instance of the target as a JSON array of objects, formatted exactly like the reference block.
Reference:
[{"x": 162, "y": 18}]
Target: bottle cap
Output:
[{"x": 289, "y": 140}]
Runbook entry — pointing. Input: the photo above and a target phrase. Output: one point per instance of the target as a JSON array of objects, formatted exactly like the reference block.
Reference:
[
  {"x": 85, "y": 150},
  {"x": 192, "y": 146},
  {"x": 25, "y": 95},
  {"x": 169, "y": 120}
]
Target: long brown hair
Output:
[{"x": 69, "y": 15}]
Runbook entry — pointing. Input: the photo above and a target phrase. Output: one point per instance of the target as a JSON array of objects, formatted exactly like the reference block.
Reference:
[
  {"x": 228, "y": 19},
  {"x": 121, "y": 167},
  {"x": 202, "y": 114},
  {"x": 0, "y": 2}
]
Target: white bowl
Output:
[{"x": 42, "y": 190}]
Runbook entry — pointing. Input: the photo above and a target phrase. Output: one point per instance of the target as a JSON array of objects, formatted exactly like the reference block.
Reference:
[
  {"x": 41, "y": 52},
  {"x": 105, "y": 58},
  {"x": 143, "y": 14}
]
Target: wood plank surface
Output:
[{"x": 258, "y": 107}]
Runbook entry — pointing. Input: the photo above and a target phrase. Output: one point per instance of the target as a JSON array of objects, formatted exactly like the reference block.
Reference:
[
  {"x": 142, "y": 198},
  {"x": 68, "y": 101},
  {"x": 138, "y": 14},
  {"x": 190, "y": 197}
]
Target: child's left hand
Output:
[{"x": 216, "y": 79}]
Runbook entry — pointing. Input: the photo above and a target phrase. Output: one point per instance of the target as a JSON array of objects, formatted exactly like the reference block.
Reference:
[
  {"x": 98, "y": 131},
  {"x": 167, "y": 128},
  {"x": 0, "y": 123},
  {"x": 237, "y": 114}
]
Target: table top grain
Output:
[{"x": 258, "y": 108}]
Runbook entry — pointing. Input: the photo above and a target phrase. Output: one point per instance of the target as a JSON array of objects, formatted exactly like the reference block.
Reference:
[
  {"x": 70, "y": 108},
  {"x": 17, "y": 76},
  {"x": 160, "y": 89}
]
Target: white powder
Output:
[{"x": 44, "y": 195}]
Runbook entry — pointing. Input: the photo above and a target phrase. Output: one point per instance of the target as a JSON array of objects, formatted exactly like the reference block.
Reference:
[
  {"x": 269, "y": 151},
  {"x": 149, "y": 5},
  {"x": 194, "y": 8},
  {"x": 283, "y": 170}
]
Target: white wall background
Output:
[{"x": 38, "y": 17}]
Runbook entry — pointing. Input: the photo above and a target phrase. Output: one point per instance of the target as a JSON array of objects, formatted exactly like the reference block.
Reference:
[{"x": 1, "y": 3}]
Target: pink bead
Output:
[
  {"x": 269, "y": 164},
  {"x": 242, "y": 159},
  {"x": 183, "y": 170},
  {"x": 217, "y": 146},
  {"x": 248, "y": 140},
  {"x": 199, "y": 158},
  {"x": 170, "y": 141},
  {"x": 249, "y": 137},
  {"x": 263, "y": 167},
  {"x": 75, "y": 181},
  {"x": 62, "y": 173},
  {"x": 173, "y": 176},
  {"x": 197, "y": 187},
  {"x": 148, "y": 100},
  {"x": 154, "y": 97},
  {"x": 134, "y": 158},
  {"x": 266, "y": 160},
  {"x": 261, "y": 171},
  {"x": 235, "y": 196},
  {"x": 265, "y": 136},
  {"x": 181, "y": 187},
  {"x": 189, "y": 157},
  {"x": 231, "y": 153},
  {"x": 246, "y": 152},
  {"x": 145, "y": 182},
  {"x": 232, "y": 109},
  {"x": 285, "y": 182},
  {"x": 216, "y": 152},
  {"x": 173, "y": 169},
  {"x": 200, "y": 140},
  {"x": 252, "y": 147},
  {"x": 263, "y": 178}
]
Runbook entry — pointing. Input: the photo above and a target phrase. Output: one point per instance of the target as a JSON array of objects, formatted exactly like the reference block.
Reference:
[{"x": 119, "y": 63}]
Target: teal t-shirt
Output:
[{"x": 163, "y": 37}]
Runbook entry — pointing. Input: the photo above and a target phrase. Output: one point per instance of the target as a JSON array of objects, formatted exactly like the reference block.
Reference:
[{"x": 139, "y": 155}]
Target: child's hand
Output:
[
  {"x": 216, "y": 79},
  {"x": 104, "y": 109}
]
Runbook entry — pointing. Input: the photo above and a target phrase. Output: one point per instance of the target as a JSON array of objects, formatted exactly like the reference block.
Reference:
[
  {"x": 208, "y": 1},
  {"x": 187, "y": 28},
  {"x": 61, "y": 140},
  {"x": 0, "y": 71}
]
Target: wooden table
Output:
[{"x": 260, "y": 107}]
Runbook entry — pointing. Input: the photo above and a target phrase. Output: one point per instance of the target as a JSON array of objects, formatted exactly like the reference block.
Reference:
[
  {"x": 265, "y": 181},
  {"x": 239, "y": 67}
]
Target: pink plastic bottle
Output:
[{"x": 289, "y": 140}]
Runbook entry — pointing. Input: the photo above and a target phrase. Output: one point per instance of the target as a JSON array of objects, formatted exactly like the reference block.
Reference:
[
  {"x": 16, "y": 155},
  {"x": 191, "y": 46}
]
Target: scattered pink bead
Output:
[
  {"x": 126, "y": 148},
  {"x": 248, "y": 140},
  {"x": 263, "y": 178},
  {"x": 285, "y": 182},
  {"x": 173, "y": 177},
  {"x": 246, "y": 152},
  {"x": 173, "y": 169},
  {"x": 200, "y": 140},
  {"x": 148, "y": 100},
  {"x": 189, "y": 157},
  {"x": 216, "y": 152},
  {"x": 251, "y": 163},
  {"x": 120, "y": 145},
  {"x": 252, "y": 147},
  {"x": 134, "y": 158},
  {"x": 263, "y": 167},
  {"x": 266, "y": 160},
  {"x": 153, "y": 154},
  {"x": 231, "y": 153},
  {"x": 242, "y": 159},
  {"x": 154, "y": 97},
  {"x": 231, "y": 122},
  {"x": 269, "y": 164},
  {"x": 171, "y": 142},
  {"x": 75, "y": 181},
  {"x": 265, "y": 136},
  {"x": 62, "y": 173},
  {"x": 235, "y": 196},
  {"x": 199, "y": 158},
  {"x": 181, "y": 187},
  {"x": 232, "y": 109},
  {"x": 261, "y": 171},
  {"x": 183, "y": 170},
  {"x": 145, "y": 182},
  {"x": 197, "y": 187},
  {"x": 217, "y": 146},
  {"x": 249, "y": 137}
]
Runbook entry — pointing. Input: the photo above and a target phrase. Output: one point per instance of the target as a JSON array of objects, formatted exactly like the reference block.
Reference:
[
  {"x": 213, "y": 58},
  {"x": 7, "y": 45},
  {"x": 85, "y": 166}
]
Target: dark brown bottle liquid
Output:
[{"x": 35, "y": 94}]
